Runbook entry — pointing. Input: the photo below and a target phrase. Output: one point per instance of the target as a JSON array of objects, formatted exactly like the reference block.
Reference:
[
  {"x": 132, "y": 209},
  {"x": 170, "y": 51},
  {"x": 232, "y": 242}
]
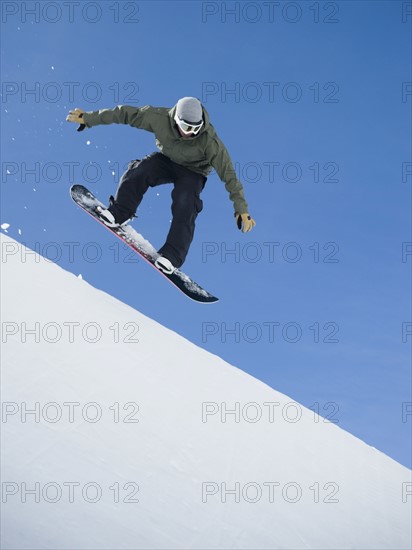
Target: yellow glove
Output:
[
  {"x": 245, "y": 222},
  {"x": 75, "y": 116}
]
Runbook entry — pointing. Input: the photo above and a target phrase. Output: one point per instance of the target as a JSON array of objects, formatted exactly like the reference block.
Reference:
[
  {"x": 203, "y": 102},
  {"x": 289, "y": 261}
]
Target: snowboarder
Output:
[{"x": 189, "y": 149}]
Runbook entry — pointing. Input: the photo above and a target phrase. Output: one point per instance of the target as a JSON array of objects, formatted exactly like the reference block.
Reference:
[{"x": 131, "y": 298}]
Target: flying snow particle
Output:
[
  {"x": 80, "y": 276},
  {"x": 88, "y": 142},
  {"x": 52, "y": 68},
  {"x": 5, "y": 226}
]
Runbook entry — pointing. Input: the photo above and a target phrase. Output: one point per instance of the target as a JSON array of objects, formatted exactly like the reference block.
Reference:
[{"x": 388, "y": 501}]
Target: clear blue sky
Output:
[{"x": 313, "y": 103}]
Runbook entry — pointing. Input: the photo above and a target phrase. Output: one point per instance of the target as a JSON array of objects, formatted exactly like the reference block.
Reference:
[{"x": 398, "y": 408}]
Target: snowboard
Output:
[{"x": 88, "y": 202}]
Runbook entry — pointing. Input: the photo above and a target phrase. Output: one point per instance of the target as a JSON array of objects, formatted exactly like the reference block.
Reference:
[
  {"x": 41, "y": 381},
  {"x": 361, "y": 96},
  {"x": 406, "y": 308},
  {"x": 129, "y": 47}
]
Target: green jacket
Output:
[{"x": 201, "y": 153}]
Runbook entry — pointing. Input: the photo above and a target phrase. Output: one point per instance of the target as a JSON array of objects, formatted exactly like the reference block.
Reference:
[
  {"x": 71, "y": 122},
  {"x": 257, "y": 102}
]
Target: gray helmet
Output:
[{"x": 189, "y": 109}]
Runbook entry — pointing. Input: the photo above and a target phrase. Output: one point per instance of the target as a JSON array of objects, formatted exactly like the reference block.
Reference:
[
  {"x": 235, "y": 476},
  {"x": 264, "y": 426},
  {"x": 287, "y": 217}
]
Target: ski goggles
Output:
[{"x": 188, "y": 127}]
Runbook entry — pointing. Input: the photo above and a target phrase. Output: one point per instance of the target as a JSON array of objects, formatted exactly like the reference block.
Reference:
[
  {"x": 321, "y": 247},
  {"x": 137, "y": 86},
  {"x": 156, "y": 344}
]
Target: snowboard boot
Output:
[
  {"x": 164, "y": 265},
  {"x": 113, "y": 216}
]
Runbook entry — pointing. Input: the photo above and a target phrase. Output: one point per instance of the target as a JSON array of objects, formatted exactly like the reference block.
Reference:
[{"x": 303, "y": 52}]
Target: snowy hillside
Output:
[{"x": 119, "y": 433}]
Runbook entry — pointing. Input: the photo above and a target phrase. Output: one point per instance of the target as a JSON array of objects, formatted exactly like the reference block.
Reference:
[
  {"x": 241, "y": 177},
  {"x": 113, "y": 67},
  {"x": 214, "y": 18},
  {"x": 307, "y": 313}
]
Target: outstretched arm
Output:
[
  {"x": 122, "y": 114},
  {"x": 222, "y": 163}
]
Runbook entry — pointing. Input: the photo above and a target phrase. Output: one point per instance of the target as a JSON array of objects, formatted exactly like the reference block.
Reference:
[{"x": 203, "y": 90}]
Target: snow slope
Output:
[{"x": 129, "y": 446}]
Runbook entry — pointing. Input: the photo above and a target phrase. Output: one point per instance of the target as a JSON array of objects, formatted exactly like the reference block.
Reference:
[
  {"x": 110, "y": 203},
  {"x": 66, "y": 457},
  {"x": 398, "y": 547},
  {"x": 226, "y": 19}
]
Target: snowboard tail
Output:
[{"x": 89, "y": 203}]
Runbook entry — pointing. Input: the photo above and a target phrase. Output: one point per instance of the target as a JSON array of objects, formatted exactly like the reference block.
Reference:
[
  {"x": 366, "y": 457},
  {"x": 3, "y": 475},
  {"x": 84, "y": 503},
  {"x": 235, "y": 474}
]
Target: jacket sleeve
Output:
[
  {"x": 138, "y": 117},
  {"x": 222, "y": 163}
]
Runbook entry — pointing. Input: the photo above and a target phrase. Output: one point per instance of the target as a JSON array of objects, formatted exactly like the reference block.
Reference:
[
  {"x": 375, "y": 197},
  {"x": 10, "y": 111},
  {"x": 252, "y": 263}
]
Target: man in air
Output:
[{"x": 189, "y": 150}]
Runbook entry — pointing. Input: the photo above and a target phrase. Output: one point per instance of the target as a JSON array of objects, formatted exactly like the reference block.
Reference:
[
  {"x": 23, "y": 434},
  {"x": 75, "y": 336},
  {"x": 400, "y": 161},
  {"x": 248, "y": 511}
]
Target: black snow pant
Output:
[{"x": 157, "y": 169}]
